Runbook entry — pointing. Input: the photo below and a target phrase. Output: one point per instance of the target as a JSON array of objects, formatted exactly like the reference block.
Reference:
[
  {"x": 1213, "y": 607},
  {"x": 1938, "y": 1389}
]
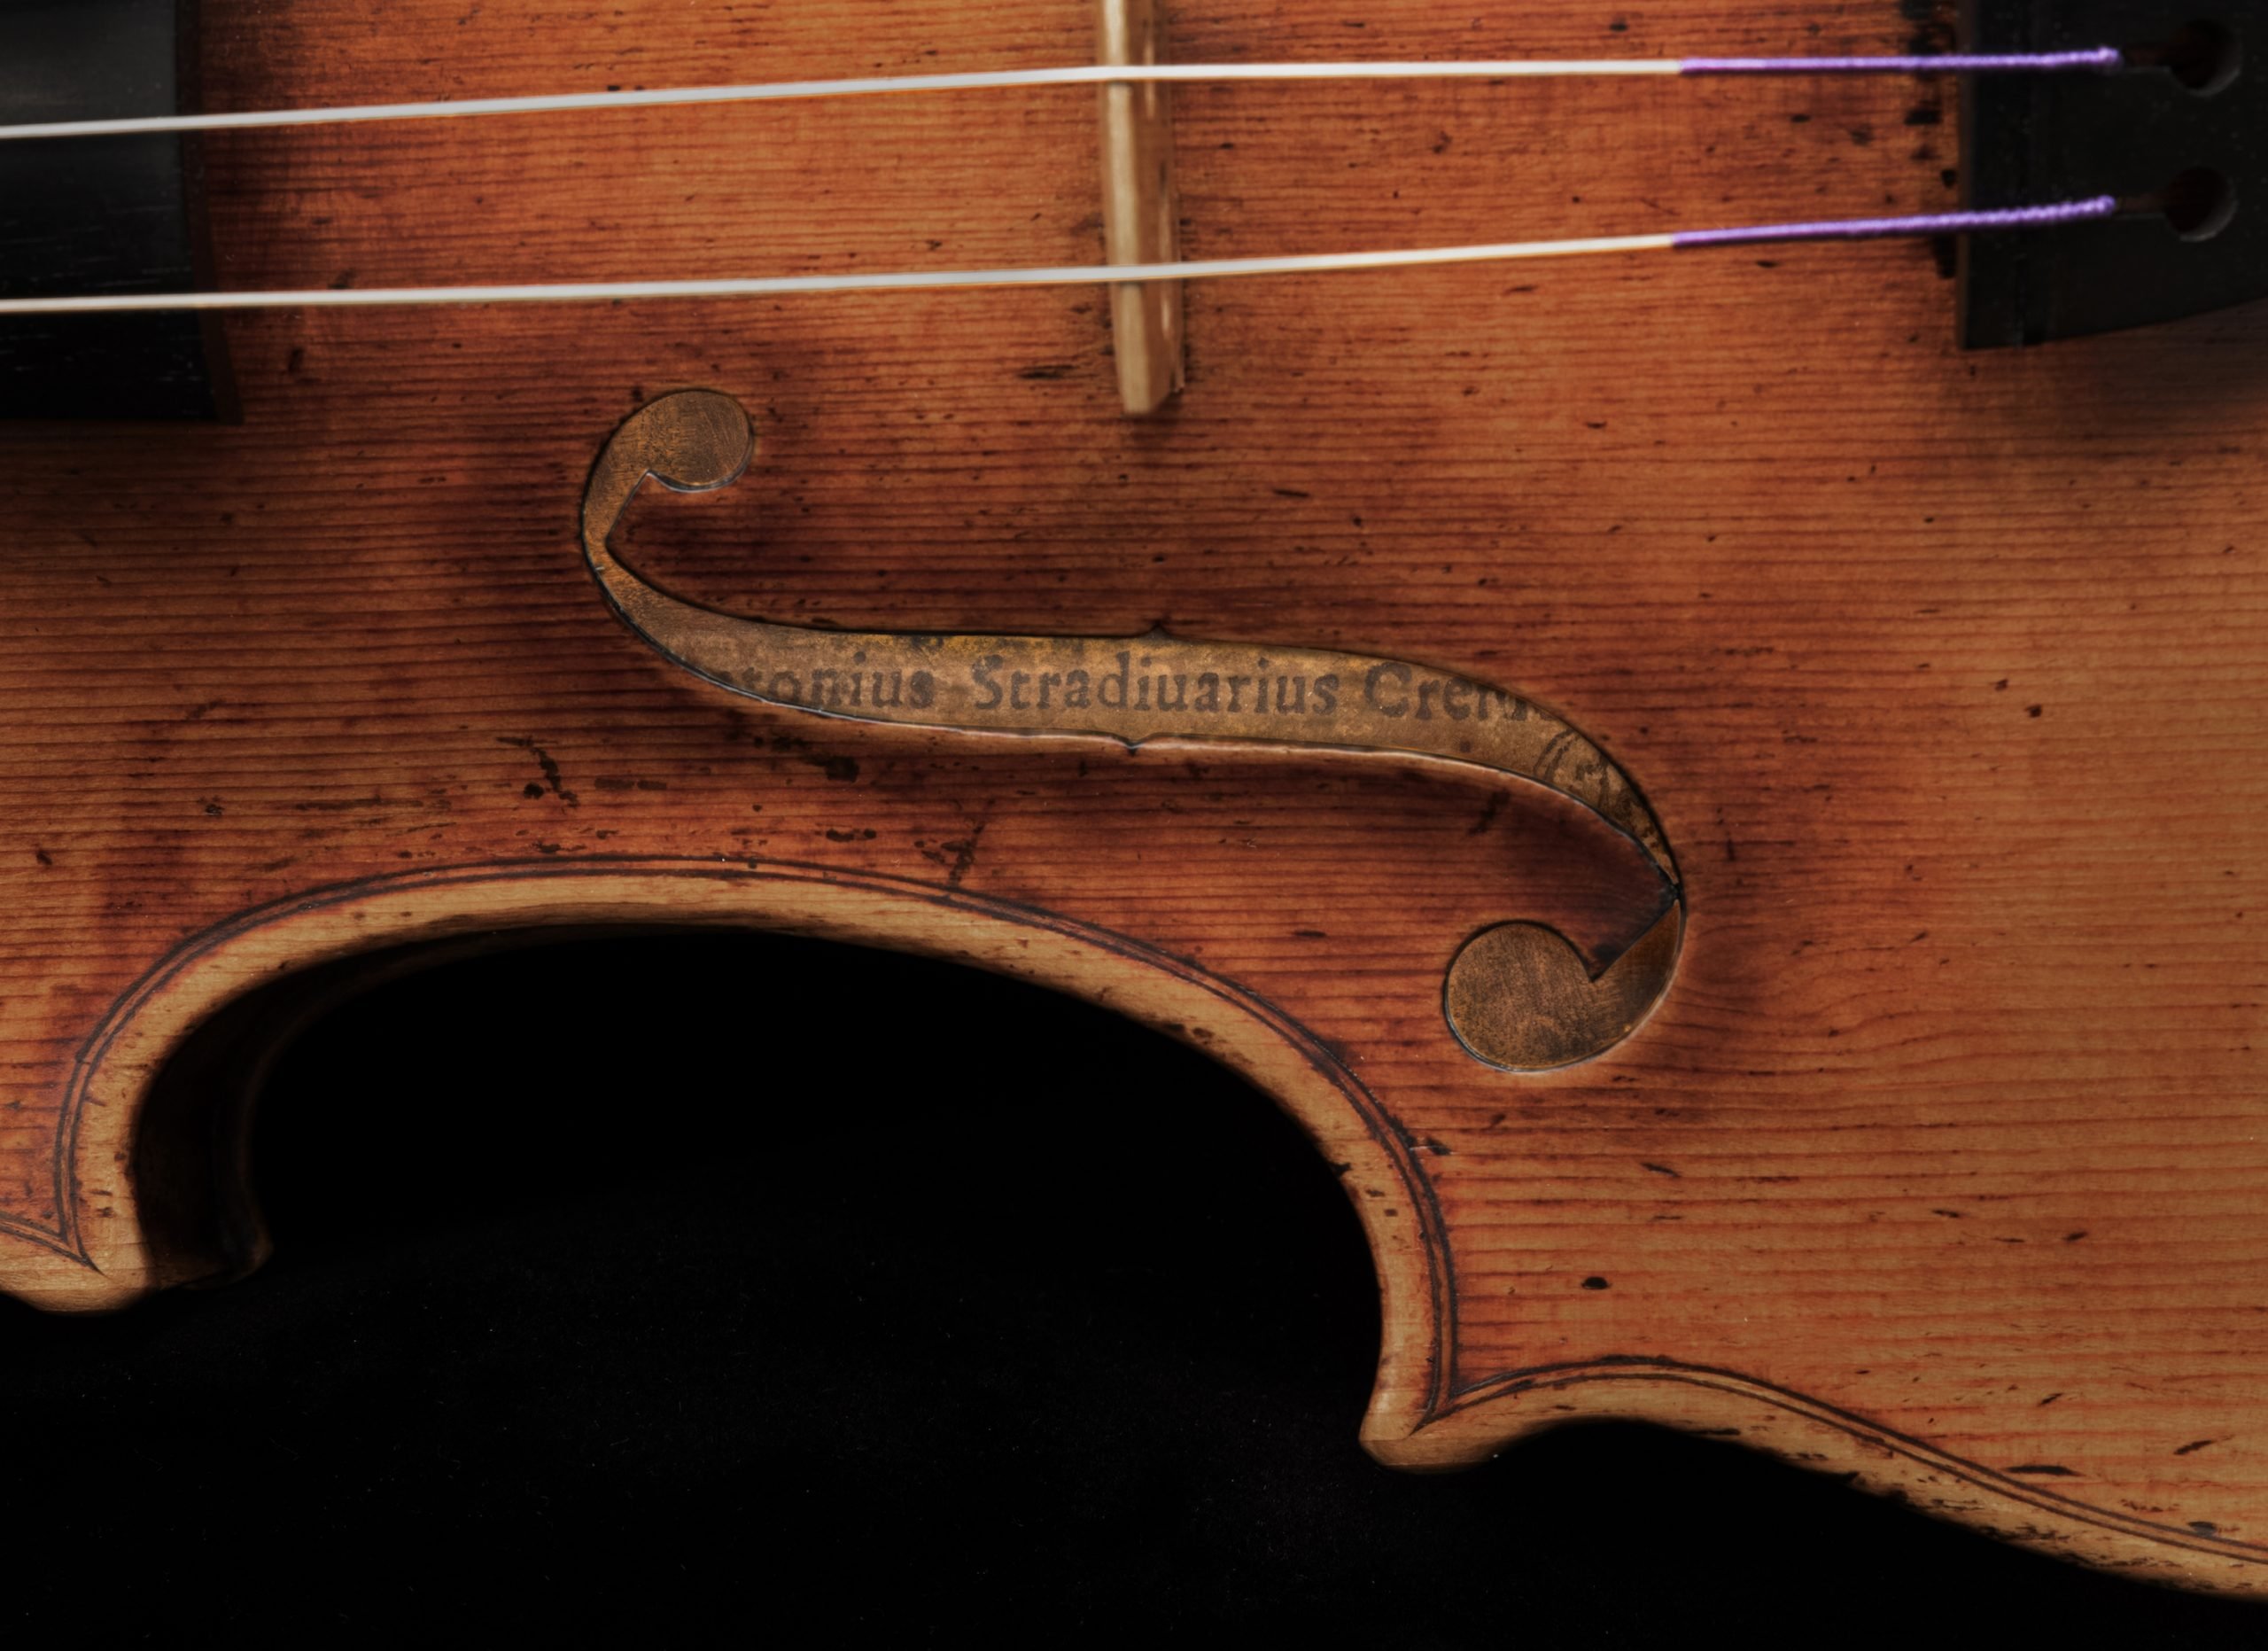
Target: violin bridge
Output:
[{"x": 1139, "y": 207}]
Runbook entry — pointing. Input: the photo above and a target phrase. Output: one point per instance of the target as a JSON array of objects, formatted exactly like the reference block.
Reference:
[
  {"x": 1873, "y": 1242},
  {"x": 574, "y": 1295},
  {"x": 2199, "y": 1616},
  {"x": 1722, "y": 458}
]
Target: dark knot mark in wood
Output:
[{"x": 1518, "y": 996}]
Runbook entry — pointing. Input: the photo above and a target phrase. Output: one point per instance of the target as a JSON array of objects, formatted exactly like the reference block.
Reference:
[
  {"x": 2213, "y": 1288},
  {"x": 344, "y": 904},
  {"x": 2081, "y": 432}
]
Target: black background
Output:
[{"x": 657, "y": 1283}]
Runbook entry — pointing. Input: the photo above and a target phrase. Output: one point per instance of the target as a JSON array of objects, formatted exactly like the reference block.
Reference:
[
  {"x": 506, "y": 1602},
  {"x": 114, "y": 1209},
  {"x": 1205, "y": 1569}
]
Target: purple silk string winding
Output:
[
  {"x": 2102, "y": 60},
  {"x": 1927, "y": 224}
]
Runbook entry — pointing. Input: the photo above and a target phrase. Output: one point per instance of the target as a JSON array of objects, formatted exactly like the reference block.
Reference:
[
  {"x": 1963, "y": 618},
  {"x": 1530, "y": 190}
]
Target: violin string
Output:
[
  {"x": 2005, "y": 219},
  {"x": 2101, "y": 59}
]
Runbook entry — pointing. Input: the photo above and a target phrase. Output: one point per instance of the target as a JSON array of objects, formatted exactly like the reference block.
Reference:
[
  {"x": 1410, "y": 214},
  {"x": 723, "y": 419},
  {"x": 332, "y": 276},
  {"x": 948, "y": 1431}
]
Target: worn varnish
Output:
[{"x": 1941, "y": 1161}]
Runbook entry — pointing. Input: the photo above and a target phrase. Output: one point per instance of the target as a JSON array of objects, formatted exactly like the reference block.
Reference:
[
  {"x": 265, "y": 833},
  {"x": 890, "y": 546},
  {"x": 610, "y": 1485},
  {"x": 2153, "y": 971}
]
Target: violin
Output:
[{"x": 1647, "y": 622}]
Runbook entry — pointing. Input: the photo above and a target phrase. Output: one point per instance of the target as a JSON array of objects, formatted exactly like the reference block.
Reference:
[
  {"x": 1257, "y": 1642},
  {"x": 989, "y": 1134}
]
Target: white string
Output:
[
  {"x": 773, "y": 287},
  {"x": 1084, "y": 74}
]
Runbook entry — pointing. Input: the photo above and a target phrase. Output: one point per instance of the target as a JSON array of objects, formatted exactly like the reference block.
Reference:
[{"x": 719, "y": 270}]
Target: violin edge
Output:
[{"x": 319, "y": 949}]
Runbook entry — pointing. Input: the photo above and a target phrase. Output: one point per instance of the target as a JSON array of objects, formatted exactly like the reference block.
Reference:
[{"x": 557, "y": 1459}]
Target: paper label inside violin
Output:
[{"x": 1159, "y": 686}]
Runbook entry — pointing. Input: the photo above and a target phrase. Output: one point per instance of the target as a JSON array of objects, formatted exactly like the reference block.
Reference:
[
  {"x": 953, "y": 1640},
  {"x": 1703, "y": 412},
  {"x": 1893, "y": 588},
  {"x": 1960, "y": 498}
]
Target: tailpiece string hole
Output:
[
  {"x": 2203, "y": 56},
  {"x": 2197, "y": 206}
]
